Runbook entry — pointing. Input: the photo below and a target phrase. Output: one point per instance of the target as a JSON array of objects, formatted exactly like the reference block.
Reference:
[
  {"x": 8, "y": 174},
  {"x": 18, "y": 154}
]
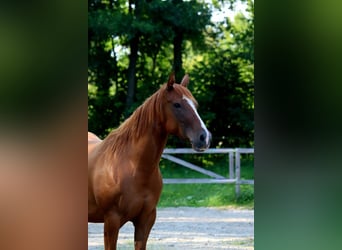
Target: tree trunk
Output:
[
  {"x": 133, "y": 58},
  {"x": 177, "y": 48},
  {"x": 177, "y": 55},
  {"x": 131, "y": 82}
]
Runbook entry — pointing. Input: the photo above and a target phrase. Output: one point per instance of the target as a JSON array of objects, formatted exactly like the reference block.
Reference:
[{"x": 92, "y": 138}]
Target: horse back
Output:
[{"x": 93, "y": 141}]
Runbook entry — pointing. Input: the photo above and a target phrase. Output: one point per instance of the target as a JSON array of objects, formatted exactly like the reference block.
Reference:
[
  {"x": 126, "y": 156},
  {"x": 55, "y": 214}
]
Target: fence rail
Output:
[{"x": 234, "y": 166}]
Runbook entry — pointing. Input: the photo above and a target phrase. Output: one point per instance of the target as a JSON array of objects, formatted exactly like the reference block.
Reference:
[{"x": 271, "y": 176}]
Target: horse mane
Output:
[{"x": 136, "y": 125}]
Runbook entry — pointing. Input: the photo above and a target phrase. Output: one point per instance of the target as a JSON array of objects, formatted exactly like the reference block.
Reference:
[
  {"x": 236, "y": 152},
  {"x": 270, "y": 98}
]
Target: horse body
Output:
[
  {"x": 111, "y": 187},
  {"x": 124, "y": 180}
]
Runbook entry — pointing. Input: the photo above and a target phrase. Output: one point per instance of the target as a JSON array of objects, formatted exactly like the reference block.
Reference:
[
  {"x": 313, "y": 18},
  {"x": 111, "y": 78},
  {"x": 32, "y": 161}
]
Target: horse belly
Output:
[{"x": 95, "y": 215}]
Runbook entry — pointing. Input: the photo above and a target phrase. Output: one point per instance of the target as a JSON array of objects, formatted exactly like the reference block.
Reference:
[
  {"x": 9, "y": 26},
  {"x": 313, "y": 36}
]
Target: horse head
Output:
[{"x": 183, "y": 119}]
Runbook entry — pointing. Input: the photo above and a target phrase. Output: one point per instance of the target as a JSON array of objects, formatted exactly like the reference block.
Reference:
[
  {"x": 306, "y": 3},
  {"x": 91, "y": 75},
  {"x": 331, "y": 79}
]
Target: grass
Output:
[{"x": 206, "y": 195}]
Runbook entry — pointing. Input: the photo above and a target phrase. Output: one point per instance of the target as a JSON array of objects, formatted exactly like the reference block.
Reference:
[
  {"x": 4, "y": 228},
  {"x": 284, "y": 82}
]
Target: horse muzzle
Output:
[{"x": 202, "y": 141}]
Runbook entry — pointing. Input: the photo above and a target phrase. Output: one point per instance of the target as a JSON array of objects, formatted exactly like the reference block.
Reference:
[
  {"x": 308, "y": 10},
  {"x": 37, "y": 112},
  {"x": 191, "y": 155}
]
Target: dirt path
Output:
[{"x": 188, "y": 229}]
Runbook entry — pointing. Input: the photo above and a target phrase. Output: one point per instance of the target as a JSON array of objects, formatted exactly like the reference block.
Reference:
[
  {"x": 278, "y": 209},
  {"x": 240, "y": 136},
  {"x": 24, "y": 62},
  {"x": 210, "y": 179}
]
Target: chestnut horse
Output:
[{"x": 124, "y": 180}]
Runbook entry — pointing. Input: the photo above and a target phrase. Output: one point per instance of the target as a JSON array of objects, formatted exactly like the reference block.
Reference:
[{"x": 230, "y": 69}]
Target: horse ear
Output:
[
  {"x": 185, "y": 81},
  {"x": 171, "y": 81}
]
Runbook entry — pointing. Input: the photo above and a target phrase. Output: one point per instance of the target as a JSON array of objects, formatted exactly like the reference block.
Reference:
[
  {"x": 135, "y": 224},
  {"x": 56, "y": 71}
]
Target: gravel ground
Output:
[{"x": 188, "y": 228}]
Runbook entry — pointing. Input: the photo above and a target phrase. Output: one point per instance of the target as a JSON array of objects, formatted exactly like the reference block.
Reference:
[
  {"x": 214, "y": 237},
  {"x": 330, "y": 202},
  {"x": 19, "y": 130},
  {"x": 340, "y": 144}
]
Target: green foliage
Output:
[
  {"x": 218, "y": 56},
  {"x": 229, "y": 78}
]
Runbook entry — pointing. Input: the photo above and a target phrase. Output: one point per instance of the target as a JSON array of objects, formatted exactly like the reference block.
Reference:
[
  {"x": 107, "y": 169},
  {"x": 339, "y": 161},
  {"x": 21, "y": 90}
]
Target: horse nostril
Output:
[{"x": 202, "y": 137}]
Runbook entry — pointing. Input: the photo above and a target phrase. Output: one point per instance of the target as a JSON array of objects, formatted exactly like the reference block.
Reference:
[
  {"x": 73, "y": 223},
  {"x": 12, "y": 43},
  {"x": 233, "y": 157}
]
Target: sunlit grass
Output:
[{"x": 206, "y": 195}]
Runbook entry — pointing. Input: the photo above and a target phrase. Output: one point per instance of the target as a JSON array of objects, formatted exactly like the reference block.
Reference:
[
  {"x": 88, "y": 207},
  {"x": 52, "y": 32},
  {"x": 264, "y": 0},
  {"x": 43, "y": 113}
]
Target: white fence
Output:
[{"x": 234, "y": 167}]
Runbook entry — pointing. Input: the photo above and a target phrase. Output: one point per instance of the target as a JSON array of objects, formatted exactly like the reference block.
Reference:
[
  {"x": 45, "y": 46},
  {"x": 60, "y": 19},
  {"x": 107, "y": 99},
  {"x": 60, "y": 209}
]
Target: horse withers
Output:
[{"x": 124, "y": 180}]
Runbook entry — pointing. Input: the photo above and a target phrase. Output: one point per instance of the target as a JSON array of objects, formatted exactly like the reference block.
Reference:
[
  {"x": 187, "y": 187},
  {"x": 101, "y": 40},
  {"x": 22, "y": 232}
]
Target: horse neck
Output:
[
  {"x": 148, "y": 148},
  {"x": 148, "y": 132},
  {"x": 142, "y": 137}
]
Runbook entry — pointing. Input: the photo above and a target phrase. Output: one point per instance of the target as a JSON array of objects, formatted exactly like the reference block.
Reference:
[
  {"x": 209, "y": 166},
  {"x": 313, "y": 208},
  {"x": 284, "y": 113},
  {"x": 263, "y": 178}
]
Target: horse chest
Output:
[
  {"x": 131, "y": 193},
  {"x": 145, "y": 189}
]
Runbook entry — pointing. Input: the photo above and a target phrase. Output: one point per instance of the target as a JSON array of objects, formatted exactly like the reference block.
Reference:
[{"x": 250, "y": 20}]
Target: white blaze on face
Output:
[{"x": 192, "y": 105}]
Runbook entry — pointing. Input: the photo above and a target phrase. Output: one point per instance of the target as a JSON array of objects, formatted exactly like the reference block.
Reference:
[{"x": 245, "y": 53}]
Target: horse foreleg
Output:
[
  {"x": 111, "y": 231},
  {"x": 142, "y": 227}
]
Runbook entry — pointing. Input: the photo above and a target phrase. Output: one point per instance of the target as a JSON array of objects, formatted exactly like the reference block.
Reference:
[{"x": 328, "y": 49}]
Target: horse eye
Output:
[{"x": 176, "y": 105}]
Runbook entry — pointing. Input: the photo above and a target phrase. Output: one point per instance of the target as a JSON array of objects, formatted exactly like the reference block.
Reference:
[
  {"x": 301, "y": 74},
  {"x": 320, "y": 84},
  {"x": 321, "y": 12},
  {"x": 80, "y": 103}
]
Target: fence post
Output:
[
  {"x": 237, "y": 172},
  {"x": 231, "y": 165}
]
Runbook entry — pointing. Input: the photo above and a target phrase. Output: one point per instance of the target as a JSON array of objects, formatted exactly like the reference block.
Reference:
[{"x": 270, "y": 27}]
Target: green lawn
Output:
[{"x": 206, "y": 195}]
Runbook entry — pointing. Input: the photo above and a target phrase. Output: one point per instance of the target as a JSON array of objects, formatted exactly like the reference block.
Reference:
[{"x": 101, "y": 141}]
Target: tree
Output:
[
  {"x": 133, "y": 47},
  {"x": 227, "y": 75},
  {"x": 188, "y": 21}
]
